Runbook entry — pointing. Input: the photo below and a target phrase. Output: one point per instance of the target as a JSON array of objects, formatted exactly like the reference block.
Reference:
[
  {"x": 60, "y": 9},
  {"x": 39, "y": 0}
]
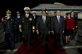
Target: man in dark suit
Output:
[
  {"x": 9, "y": 31},
  {"x": 35, "y": 20},
  {"x": 34, "y": 36},
  {"x": 27, "y": 24},
  {"x": 58, "y": 27},
  {"x": 42, "y": 27},
  {"x": 16, "y": 26}
]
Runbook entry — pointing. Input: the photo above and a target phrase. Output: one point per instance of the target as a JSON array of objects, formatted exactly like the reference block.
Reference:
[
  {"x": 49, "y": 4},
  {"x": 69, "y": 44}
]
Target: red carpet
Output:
[{"x": 38, "y": 49}]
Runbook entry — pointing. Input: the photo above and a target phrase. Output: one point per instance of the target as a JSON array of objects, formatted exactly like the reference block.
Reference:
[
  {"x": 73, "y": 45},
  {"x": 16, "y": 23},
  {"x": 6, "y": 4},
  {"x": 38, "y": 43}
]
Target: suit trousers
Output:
[
  {"x": 44, "y": 39},
  {"x": 10, "y": 40},
  {"x": 58, "y": 40}
]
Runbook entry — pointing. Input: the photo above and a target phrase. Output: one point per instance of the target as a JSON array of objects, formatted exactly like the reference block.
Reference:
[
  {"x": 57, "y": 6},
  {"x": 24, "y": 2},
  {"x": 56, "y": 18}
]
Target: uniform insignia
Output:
[
  {"x": 33, "y": 27},
  {"x": 30, "y": 19}
]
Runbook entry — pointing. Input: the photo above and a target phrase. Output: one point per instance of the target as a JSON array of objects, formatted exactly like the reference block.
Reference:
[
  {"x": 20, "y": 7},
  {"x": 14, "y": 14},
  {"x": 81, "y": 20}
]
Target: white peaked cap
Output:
[
  {"x": 8, "y": 11},
  {"x": 26, "y": 8},
  {"x": 33, "y": 12}
]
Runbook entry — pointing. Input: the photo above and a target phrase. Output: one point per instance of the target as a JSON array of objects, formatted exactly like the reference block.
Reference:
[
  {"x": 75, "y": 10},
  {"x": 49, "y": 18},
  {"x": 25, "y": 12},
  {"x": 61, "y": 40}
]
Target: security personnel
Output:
[
  {"x": 35, "y": 37},
  {"x": 9, "y": 31},
  {"x": 27, "y": 24},
  {"x": 35, "y": 19},
  {"x": 16, "y": 26}
]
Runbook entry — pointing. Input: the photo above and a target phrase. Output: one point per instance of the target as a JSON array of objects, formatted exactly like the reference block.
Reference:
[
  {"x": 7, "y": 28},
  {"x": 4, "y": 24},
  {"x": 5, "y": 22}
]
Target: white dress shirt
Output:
[
  {"x": 58, "y": 18},
  {"x": 34, "y": 17},
  {"x": 44, "y": 18}
]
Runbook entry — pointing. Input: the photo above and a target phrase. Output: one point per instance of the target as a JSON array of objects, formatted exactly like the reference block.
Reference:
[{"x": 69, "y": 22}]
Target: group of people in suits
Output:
[{"x": 29, "y": 26}]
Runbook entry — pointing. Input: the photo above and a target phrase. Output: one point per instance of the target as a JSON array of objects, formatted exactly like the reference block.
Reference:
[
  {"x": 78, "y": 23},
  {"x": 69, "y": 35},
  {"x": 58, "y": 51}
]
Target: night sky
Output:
[{"x": 20, "y": 4}]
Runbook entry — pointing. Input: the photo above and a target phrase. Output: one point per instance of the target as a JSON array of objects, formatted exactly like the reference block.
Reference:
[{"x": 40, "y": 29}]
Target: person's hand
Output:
[
  {"x": 20, "y": 30},
  {"x": 37, "y": 31},
  {"x": 20, "y": 26},
  {"x": 30, "y": 19},
  {"x": 52, "y": 32},
  {"x": 33, "y": 30},
  {"x": 33, "y": 27},
  {"x": 63, "y": 32},
  {"x": 73, "y": 28},
  {"x": 76, "y": 26}
]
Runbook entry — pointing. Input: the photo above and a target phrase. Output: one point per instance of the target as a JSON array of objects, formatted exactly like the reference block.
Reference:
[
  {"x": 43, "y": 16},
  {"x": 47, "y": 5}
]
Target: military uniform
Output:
[
  {"x": 26, "y": 26},
  {"x": 34, "y": 21},
  {"x": 34, "y": 36},
  {"x": 27, "y": 23}
]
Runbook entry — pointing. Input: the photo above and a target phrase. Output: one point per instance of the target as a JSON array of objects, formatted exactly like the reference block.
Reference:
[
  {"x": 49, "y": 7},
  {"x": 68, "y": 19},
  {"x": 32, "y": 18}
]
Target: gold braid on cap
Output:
[{"x": 8, "y": 11}]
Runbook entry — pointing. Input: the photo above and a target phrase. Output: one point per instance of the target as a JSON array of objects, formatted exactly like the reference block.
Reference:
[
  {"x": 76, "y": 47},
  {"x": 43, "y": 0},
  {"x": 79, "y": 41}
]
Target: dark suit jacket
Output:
[
  {"x": 35, "y": 21},
  {"x": 41, "y": 26},
  {"x": 16, "y": 23},
  {"x": 58, "y": 27},
  {"x": 9, "y": 25}
]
